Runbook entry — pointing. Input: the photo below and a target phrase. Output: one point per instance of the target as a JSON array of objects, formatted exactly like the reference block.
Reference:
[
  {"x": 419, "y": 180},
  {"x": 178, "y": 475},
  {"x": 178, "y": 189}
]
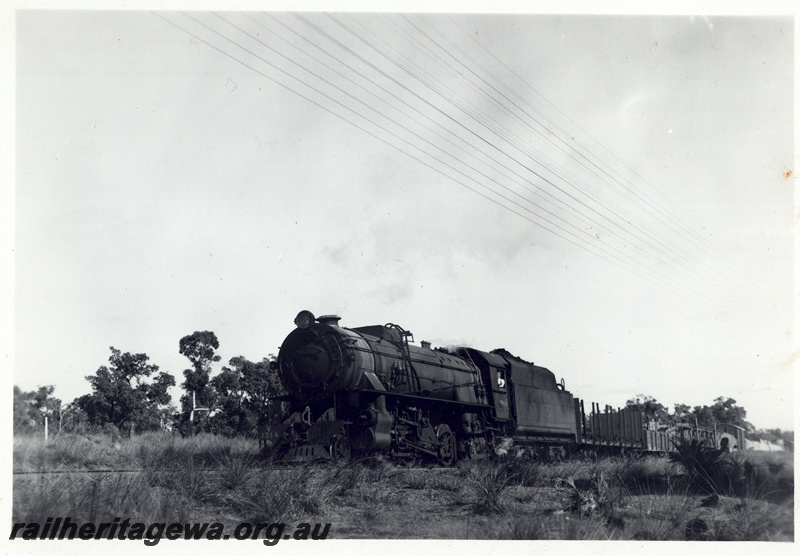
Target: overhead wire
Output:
[
  {"x": 675, "y": 253},
  {"x": 550, "y": 198},
  {"x": 588, "y": 246},
  {"x": 603, "y": 147},
  {"x": 327, "y": 109},
  {"x": 518, "y": 144},
  {"x": 695, "y": 236},
  {"x": 405, "y": 128},
  {"x": 625, "y": 261},
  {"x": 646, "y": 201}
]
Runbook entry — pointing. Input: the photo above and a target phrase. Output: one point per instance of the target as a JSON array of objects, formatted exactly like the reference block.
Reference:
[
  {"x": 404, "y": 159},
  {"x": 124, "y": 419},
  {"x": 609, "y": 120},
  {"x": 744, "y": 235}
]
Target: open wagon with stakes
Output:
[{"x": 368, "y": 390}]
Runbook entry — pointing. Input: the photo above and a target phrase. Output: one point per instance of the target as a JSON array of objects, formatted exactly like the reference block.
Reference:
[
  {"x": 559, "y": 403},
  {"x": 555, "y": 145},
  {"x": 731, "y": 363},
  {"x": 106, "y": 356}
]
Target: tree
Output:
[
  {"x": 199, "y": 348},
  {"x": 725, "y": 410},
  {"x": 683, "y": 413},
  {"x": 703, "y": 416},
  {"x": 120, "y": 395},
  {"x": 30, "y": 407},
  {"x": 263, "y": 385},
  {"x": 650, "y": 408},
  {"x": 74, "y": 419},
  {"x": 245, "y": 390},
  {"x": 23, "y": 420}
]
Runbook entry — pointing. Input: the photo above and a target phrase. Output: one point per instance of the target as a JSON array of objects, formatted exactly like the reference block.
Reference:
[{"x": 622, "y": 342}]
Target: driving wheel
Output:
[
  {"x": 447, "y": 445},
  {"x": 340, "y": 448}
]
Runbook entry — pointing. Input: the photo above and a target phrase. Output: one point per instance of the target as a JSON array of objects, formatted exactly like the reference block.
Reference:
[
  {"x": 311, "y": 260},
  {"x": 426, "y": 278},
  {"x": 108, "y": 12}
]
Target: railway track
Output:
[
  {"x": 76, "y": 471},
  {"x": 435, "y": 469}
]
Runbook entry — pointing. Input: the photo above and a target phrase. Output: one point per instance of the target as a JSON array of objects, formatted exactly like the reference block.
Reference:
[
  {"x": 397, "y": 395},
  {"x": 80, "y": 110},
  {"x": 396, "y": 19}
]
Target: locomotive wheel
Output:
[
  {"x": 340, "y": 448},
  {"x": 447, "y": 447}
]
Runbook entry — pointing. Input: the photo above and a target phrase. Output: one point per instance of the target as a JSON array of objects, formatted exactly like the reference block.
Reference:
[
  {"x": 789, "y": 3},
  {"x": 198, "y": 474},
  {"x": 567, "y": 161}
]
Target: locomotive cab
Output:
[{"x": 528, "y": 396}]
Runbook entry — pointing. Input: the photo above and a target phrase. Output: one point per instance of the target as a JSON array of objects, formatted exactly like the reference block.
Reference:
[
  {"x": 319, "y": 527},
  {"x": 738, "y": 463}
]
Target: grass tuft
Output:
[{"x": 202, "y": 477}]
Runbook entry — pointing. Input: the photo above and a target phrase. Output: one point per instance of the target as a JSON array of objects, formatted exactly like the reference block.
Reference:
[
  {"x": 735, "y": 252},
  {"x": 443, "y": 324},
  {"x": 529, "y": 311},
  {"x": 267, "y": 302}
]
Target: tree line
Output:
[
  {"x": 130, "y": 394},
  {"x": 722, "y": 411}
]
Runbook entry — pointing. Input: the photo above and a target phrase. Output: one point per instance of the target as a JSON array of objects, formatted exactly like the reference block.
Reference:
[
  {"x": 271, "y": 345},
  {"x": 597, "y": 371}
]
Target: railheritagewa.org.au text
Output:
[{"x": 123, "y": 529}]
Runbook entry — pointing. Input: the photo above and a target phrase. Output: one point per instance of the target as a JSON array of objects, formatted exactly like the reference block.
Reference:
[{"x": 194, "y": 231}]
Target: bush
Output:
[
  {"x": 484, "y": 482},
  {"x": 704, "y": 466},
  {"x": 70, "y": 451},
  {"x": 594, "y": 497},
  {"x": 643, "y": 475},
  {"x": 753, "y": 521},
  {"x": 712, "y": 471},
  {"x": 95, "y": 498}
]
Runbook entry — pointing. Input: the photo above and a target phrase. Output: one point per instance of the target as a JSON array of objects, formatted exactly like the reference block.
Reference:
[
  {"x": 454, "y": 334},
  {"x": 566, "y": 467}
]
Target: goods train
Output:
[{"x": 368, "y": 390}]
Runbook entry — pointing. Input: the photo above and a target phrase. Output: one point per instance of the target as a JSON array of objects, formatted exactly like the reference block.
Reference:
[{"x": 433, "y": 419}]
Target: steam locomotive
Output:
[{"x": 368, "y": 390}]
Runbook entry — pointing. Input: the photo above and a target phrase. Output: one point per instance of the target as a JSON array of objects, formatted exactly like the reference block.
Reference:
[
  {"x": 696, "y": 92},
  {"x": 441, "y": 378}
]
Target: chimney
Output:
[
  {"x": 425, "y": 344},
  {"x": 330, "y": 320}
]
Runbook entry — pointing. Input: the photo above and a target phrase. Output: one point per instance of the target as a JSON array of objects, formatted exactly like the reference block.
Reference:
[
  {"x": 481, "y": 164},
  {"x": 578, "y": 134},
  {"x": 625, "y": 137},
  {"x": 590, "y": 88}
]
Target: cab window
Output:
[{"x": 501, "y": 379}]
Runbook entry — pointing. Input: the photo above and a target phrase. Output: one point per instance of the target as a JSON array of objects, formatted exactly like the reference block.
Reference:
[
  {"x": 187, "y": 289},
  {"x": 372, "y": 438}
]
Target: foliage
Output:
[
  {"x": 750, "y": 520},
  {"x": 724, "y": 410},
  {"x": 703, "y": 464},
  {"x": 595, "y": 497},
  {"x": 244, "y": 393},
  {"x": 121, "y": 397},
  {"x": 29, "y": 408},
  {"x": 648, "y": 406},
  {"x": 188, "y": 479},
  {"x": 703, "y": 416},
  {"x": 199, "y": 348},
  {"x": 483, "y": 483},
  {"x": 751, "y": 476},
  {"x": 94, "y": 498},
  {"x": 682, "y": 413},
  {"x": 67, "y": 451}
]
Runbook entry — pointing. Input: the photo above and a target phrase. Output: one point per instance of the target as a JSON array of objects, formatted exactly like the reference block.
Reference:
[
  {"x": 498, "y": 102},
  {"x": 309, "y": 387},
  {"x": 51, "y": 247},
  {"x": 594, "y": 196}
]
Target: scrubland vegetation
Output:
[{"x": 698, "y": 494}]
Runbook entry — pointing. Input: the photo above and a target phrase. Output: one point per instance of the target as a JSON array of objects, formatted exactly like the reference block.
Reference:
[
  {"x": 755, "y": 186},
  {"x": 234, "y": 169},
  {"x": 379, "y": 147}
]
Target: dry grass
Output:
[
  {"x": 95, "y": 498},
  {"x": 207, "y": 478}
]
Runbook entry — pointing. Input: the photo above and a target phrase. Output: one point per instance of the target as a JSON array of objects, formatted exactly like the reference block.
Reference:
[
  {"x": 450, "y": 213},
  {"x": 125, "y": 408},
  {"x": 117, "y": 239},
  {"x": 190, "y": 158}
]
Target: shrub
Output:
[
  {"x": 593, "y": 497},
  {"x": 484, "y": 482},
  {"x": 528, "y": 528},
  {"x": 71, "y": 451},
  {"x": 703, "y": 465},
  {"x": 662, "y": 517},
  {"x": 734, "y": 474},
  {"x": 272, "y": 500},
  {"x": 94, "y": 497},
  {"x": 750, "y": 520},
  {"x": 643, "y": 475}
]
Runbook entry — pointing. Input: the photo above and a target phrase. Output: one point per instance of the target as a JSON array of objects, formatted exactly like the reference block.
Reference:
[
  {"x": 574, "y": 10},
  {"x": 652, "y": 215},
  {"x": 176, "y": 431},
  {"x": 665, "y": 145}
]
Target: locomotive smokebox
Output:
[
  {"x": 311, "y": 365},
  {"x": 319, "y": 358},
  {"x": 311, "y": 359}
]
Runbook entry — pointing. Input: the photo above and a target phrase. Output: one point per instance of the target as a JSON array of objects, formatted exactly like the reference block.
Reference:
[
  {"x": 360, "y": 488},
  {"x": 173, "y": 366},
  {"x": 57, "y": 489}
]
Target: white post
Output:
[
  {"x": 45, "y": 427},
  {"x": 195, "y": 408}
]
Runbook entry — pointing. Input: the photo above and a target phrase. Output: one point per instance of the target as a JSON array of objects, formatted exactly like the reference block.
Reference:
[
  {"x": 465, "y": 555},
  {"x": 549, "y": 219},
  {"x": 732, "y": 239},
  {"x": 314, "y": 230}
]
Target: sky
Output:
[{"x": 610, "y": 196}]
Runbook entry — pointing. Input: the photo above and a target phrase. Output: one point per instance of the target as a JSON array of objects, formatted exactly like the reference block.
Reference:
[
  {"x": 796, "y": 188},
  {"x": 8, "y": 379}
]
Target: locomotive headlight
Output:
[{"x": 304, "y": 319}]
